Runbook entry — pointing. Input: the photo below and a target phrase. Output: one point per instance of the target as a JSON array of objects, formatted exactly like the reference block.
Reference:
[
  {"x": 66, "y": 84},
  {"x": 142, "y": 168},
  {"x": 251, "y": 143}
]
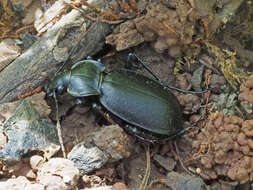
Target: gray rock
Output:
[
  {"x": 177, "y": 181},
  {"x": 27, "y": 131},
  {"x": 166, "y": 162},
  {"x": 197, "y": 78},
  {"x": 230, "y": 185},
  {"x": 87, "y": 159},
  {"x": 99, "y": 188},
  {"x": 217, "y": 83},
  {"x": 225, "y": 102}
]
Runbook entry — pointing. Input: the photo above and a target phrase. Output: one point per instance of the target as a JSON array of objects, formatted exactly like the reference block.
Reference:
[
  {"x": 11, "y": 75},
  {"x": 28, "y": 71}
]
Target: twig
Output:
[
  {"x": 170, "y": 29},
  {"x": 144, "y": 182},
  {"x": 161, "y": 181},
  {"x": 58, "y": 126},
  {"x": 180, "y": 160},
  {"x": 208, "y": 65},
  {"x": 23, "y": 28},
  {"x": 95, "y": 19}
]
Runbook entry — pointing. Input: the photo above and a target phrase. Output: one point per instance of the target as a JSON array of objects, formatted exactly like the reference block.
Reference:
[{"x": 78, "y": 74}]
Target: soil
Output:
[{"x": 173, "y": 38}]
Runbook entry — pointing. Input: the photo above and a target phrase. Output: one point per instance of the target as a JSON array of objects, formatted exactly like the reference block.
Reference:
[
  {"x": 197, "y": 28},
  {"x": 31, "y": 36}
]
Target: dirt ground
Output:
[{"x": 192, "y": 45}]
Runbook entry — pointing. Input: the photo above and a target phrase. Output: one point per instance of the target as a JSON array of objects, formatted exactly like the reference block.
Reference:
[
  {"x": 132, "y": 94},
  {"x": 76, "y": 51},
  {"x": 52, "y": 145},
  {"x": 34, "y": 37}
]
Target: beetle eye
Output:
[
  {"x": 50, "y": 94},
  {"x": 60, "y": 89}
]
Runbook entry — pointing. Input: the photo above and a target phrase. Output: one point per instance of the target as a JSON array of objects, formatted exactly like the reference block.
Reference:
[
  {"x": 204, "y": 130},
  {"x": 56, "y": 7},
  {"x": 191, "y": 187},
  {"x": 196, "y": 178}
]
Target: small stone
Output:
[
  {"x": 8, "y": 52},
  {"x": 27, "y": 39},
  {"x": 217, "y": 83},
  {"x": 35, "y": 161},
  {"x": 114, "y": 141},
  {"x": 119, "y": 186},
  {"x": 177, "y": 181},
  {"x": 87, "y": 159},
  {"x": 99, "y": 188},
  {"x": 228, "y": 185},
  {"x": 25, "y": 3},
  {"x": 34, "y": 133},
  {"x": 197, "y": 78},
  {"x": 149, "y": 36},
  {"x": 3, "y": 139},
  {"x": 160, "y": 45},
  {"x": 166, "y": 162},
  {"x": 175, "y": 51},
  {"x": 30, "y": 12},
  {"x": 198, "y": 170},
  {"x": 60, "y": 54},
  {"x": 20, "y": 183},
  {"x": 191, "y": 103},
  {"x": 125, "y": 40},
  {"x": 58, "y": 174},
  {"x": 31, "y": 175},
  {"x": 92, "y": 180}
]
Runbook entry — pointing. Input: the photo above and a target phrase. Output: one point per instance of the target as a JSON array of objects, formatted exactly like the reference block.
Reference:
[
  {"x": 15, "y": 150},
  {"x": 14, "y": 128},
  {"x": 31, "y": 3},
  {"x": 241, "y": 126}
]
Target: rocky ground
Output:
[{"x": 192, "y": 45}]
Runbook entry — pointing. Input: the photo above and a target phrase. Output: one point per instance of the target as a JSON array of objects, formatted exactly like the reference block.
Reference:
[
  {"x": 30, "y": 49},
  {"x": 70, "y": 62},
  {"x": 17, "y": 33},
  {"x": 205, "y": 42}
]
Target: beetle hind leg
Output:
[{"x": 134, "y": 58}]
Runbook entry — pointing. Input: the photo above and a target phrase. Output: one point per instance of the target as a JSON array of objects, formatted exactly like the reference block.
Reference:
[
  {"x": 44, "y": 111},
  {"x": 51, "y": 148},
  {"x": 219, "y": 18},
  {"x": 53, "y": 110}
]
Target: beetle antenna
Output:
[
  {"x": 58, "y": 126},
  {"x": 64, "y": 63},
  {"x": 75, "y": 47},
  {"x": 134, "y": 56}
]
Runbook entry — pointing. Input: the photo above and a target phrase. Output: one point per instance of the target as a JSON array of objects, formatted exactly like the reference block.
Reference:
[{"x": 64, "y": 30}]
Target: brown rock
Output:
[
  {"x": 119, "y": 186},
  {"x": 160, "y": 45},
  {"x": 20, "y": 183},
  {"x": 35, "y": 161},
  {"x": 247, "y": 128},
  {"x": 240, "y": 174},
  {"x": 8, "y": 52},
  {"x": 3, "y": 139},
  {"x": 58, "y": 173},
  {"x": 249, "y": 83},
  {"x": 230, "y": 153},
  {"x": 242, "y": 139}
]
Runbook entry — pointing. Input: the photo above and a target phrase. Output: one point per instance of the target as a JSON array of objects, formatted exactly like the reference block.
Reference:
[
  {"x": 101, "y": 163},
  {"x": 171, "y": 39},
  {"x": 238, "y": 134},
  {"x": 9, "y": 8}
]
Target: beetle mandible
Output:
[{"x": 147, "y": 105}]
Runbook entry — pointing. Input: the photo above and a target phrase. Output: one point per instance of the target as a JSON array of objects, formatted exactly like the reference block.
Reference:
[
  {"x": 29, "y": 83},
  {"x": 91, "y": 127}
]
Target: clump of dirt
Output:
[
  {"x": 246, "y": 96},
  {"x": 168, "y": 29},
  {"x": 224, "y": 148}
]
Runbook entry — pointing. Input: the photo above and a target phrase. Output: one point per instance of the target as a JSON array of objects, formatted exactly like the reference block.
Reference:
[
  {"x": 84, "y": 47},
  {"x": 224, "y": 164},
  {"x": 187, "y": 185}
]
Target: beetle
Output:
[{"x": 150, "y": 109}]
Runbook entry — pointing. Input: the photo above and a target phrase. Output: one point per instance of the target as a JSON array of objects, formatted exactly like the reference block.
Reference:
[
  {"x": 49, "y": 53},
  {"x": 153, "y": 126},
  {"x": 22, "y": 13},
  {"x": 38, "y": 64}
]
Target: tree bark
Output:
[{"x": 40, "y": 61}]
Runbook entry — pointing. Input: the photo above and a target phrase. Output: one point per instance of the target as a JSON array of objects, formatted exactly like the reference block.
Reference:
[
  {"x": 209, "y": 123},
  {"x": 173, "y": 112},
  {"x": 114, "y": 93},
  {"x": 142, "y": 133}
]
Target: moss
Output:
[{"x": 227, "y": 61}]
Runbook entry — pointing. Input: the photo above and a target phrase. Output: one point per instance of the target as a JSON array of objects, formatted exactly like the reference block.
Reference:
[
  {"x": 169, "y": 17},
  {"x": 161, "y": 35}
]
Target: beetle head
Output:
[{"x": 58, "y": 85}]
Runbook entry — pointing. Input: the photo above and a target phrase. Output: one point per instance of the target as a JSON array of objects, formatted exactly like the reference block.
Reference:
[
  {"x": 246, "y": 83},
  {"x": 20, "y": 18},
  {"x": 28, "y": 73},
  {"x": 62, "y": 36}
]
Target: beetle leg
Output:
[
  {"x": 131, "y": 59},
  {"x": 80, "y": 101},
  {"x": 184, "y": 130},
  {"x": 105, "y": 115},
  {"x": 132, "y": 56}
]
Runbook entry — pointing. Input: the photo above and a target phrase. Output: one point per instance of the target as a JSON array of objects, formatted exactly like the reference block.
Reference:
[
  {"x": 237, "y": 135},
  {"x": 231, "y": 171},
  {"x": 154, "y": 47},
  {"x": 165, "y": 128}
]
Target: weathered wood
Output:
[{"x": 40, "y": 61}]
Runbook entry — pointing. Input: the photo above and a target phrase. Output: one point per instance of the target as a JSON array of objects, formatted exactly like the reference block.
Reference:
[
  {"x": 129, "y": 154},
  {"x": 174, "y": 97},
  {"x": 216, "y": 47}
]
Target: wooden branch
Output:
[{"x": 39, "y": 62}]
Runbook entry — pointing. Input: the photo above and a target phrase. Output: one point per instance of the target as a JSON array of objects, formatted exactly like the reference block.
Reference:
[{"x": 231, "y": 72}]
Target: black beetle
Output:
[{"x": 152, "y": 111}]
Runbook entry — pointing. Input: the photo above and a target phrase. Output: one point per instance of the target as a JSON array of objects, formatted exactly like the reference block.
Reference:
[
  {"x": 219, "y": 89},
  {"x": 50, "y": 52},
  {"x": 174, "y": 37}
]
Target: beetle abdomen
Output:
[{"x": 141, "y": 101}]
